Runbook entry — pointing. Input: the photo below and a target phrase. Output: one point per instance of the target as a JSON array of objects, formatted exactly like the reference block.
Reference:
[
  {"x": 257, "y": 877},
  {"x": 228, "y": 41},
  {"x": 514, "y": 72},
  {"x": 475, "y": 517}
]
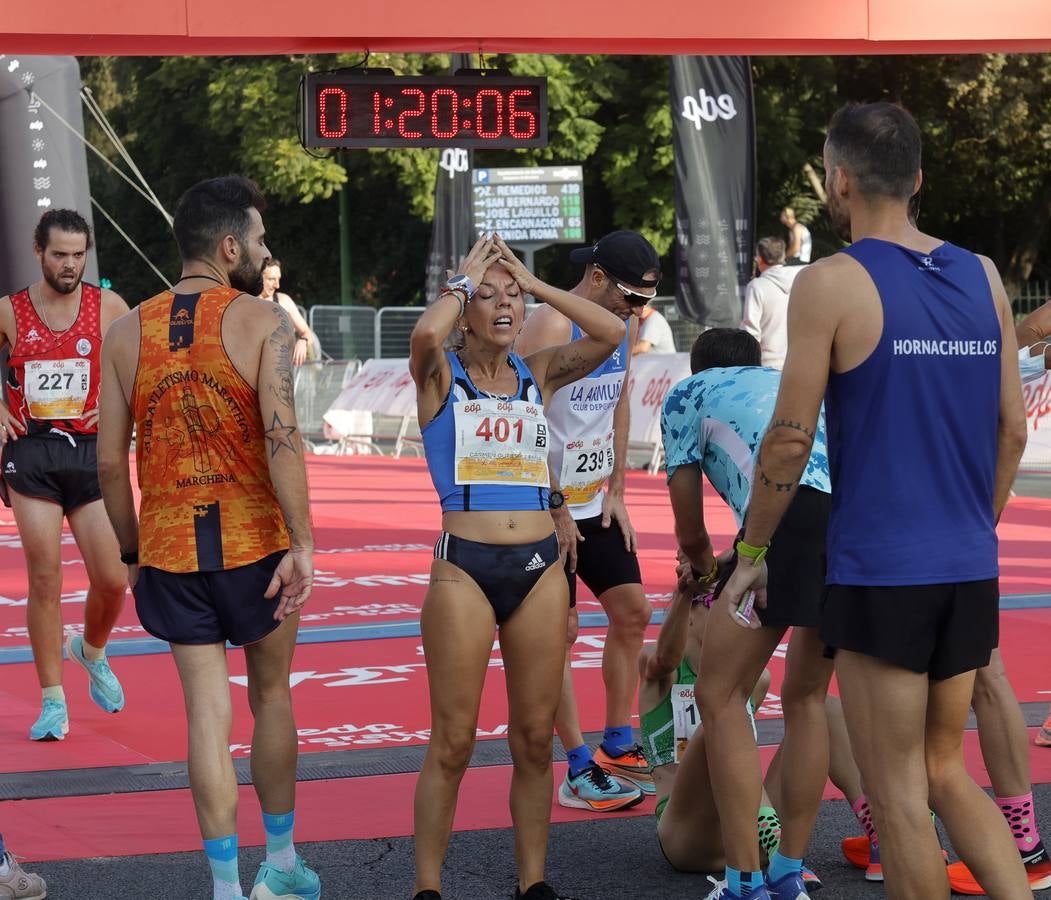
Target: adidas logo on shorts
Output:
[{"x": 535, "y": 563}]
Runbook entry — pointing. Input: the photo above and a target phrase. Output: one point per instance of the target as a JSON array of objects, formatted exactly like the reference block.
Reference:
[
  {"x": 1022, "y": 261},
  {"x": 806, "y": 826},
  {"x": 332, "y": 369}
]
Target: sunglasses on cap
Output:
[{"x": 632, "y": 296}]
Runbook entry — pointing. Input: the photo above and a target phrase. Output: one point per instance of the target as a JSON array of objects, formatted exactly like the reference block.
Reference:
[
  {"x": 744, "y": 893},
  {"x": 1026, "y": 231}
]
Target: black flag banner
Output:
[
  {"x": 714, "y": 135},
  {"x": 451, "y": 233},
  {"x": 43, "y": 165}
]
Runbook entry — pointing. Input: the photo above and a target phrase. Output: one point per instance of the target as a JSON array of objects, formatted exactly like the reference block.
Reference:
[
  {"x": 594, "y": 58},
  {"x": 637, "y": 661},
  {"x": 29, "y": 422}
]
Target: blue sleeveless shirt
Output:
[
  {"x": 439, "y": 442},
  {"x": 912, "y": 430}
]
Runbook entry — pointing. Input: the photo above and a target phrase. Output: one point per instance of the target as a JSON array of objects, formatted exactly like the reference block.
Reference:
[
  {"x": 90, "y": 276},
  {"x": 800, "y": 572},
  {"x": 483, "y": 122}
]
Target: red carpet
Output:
[
  {"x": 376, "y": 520},
  {"x": 352, "y": 695},
  {"x": 373, "y": 693},
  {"x": 68, "y": 828}
]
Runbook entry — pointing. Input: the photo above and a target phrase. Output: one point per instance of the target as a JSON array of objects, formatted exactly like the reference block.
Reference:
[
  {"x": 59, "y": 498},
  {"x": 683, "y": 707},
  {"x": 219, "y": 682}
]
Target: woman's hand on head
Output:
[
  {"x": 525, "y": 279},
  {"x": 483, "y": 254}
]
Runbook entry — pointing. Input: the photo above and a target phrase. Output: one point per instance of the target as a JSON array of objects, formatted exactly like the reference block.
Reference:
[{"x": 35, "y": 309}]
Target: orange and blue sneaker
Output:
[
  {"x": 631, "y": 764},
  {"x": 874, "y": 869},
  {"x": 595, "y": 789},
  {"x": 1043, "y": 735},
  {"x": 812, "y": 882},
  {"x": 963, "y": 882}
]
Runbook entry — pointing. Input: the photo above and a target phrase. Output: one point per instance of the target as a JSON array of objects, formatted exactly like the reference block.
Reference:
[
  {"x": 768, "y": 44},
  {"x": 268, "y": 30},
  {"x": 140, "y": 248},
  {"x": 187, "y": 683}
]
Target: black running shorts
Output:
[
  {"x": 208, "y": 607},
  {"x": 52, "y": 467},
  {"x": 602, "y": 561},
  {"x": 938, "y": 629},
  {"x": 795, "y": 563}
]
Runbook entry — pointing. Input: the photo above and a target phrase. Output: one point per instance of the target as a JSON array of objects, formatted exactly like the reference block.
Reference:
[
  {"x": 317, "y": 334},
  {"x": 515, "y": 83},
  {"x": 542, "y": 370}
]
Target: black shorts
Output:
[
  {"x": 505, "y": 573},
  {"x": 938, "y": 629},
  {"x": 208, "y": 607},
  {"x": 795, "y": 563},
  {"x": 602, "y": 561},
  {"x": 52, "y": 467}
]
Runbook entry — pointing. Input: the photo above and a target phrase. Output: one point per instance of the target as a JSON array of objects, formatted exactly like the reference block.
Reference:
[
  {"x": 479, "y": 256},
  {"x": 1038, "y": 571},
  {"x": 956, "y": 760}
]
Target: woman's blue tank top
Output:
[
  {"x": 912, "y": 431},
  {"x": 439, "y": 442}
]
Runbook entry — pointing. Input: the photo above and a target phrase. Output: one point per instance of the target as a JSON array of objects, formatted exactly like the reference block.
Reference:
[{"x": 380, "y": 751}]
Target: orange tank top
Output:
[{"x": 207, "y": 500}]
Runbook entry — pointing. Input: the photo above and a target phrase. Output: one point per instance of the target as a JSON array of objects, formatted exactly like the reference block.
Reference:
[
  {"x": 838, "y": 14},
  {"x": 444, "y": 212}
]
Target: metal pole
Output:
[
  {"x": 344, "y": 235},
  {"x": 345, "y": 298}
]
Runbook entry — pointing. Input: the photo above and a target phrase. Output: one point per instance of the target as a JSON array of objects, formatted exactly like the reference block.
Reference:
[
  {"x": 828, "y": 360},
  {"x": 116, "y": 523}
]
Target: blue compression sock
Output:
[
  {"x": 742, "y": 883},
  {"x": 579, "y": 759},
  {"x": 781, "y": 865},
  {"x": 617, "y": 741},
  {"x": 222, "y": 859},
  {"x": 280, "y": 851}
]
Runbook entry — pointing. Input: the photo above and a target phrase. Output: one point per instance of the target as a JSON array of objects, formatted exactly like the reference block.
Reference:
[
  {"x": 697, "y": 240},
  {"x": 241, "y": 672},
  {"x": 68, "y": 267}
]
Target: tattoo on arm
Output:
[
  {"x": 280, "y": 341},
  {"x": 798, "y": 426},
  {"x": 571, "y": 362},
  {"x": 781, "y": 487},
  {"x": 280, "y": 435}
]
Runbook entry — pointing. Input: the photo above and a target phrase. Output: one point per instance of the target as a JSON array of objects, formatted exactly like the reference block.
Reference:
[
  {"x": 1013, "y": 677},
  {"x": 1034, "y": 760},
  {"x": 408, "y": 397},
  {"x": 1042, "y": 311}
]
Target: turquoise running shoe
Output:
[
  {"x": 595, "y": 789},
  {"x": 53, "y": 724},
  {"x": 104, "y": 688},
  {"x": 273, "y": 883}
]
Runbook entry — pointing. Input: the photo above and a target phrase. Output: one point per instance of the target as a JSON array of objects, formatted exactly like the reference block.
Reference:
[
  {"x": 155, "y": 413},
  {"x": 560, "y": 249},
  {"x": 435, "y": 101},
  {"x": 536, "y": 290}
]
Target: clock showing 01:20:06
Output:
[{"x": 350, "y": 110}]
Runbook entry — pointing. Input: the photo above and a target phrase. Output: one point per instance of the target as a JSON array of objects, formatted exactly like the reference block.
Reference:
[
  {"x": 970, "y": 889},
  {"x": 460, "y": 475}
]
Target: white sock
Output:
[
  {"x": 283, "y": 859},
  {"x": 93, "y": 653},
  {"x": 54, "y": 692},
  {"x": 226, "y": 890},
  {"x": 4, "y": 867}
]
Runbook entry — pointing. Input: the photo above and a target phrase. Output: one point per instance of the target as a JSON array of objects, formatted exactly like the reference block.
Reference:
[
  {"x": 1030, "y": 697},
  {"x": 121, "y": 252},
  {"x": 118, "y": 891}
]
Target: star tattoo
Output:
[{"x": 280, "y": 435}]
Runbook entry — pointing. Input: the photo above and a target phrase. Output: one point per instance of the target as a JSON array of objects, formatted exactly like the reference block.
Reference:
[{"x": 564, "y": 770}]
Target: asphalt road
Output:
[{"x": 607, "y": 859}]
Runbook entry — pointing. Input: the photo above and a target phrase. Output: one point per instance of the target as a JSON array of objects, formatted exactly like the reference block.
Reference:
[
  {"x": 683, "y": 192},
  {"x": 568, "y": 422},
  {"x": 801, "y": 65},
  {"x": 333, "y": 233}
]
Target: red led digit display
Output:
[{"x": 346, "y": 109}]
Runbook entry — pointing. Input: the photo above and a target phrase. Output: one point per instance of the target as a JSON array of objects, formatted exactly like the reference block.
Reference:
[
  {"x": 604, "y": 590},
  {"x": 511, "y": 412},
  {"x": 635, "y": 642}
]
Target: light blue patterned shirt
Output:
[{"x": 717, "y": 418}]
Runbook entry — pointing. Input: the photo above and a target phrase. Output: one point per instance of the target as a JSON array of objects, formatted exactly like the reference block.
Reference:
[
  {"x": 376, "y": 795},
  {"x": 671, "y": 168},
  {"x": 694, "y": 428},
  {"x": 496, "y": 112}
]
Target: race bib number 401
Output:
[
  {"x": 500, "y": 442},
  {"x": 57, "y": 388}
]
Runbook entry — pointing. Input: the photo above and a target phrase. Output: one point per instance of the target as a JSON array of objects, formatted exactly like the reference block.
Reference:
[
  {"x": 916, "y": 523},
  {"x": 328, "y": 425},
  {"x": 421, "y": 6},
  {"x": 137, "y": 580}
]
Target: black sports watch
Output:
[
  {"x": 131, "y": 558},
  {"x": 555, "y": 499}
]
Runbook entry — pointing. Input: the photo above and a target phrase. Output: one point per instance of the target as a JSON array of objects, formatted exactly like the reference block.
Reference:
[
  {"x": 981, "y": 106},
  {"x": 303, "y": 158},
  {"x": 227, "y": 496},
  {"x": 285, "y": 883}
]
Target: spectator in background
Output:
[
  {"x": 800, "y": 244},
  {"x": 655, "y": 335},
  {"x": 766, "y": 301},
  {"x": 307, "y": 345}
]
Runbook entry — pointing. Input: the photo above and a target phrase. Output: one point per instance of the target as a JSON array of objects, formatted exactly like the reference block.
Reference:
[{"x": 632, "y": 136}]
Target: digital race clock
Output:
[{"x": 348, "y": 109}]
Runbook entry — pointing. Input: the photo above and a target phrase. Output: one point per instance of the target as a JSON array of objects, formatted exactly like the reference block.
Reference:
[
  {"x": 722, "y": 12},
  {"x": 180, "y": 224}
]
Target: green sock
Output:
[
  {"x": 769, "y": 830},
  {"x": 54, "y": 692}
]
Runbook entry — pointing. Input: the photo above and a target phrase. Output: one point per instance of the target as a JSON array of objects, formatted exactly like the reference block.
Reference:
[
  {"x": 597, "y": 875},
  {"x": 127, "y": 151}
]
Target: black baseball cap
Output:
[{"x": 625, "y": 255}]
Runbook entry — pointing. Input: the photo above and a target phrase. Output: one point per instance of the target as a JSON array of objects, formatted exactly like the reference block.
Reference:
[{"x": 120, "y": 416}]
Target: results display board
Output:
[{"x": 536, "y": 205}]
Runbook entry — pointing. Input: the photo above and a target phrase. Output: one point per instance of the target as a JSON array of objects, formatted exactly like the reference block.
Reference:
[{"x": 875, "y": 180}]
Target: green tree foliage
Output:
[{"x": 985, "y": 121}]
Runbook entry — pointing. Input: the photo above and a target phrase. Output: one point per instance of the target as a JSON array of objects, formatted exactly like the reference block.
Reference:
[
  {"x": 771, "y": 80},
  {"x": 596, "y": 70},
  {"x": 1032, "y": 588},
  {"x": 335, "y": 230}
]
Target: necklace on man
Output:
[{"x": 47, "y": 324}]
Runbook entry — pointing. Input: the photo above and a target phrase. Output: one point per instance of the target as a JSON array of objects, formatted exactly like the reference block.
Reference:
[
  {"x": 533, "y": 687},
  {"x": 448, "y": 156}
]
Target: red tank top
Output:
[{"x": 53, "y": 377}]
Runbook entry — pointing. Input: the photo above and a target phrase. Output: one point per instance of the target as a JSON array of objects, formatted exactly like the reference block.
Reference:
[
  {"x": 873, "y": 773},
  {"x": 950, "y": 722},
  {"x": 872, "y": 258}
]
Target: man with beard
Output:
[
  {"x": 222, "y": 548},
  {"x": 892, "y": 332},
  {"x": 48, "y": 430}
]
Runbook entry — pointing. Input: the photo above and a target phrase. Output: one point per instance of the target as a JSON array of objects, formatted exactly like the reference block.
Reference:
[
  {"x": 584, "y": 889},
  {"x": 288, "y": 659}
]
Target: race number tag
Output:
[
  {"x": 586, "y": 464},
  {"x": 500, "y": 442},
  {"x": 57, "y": 388},
  {"x": 686, "y": 717}
]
